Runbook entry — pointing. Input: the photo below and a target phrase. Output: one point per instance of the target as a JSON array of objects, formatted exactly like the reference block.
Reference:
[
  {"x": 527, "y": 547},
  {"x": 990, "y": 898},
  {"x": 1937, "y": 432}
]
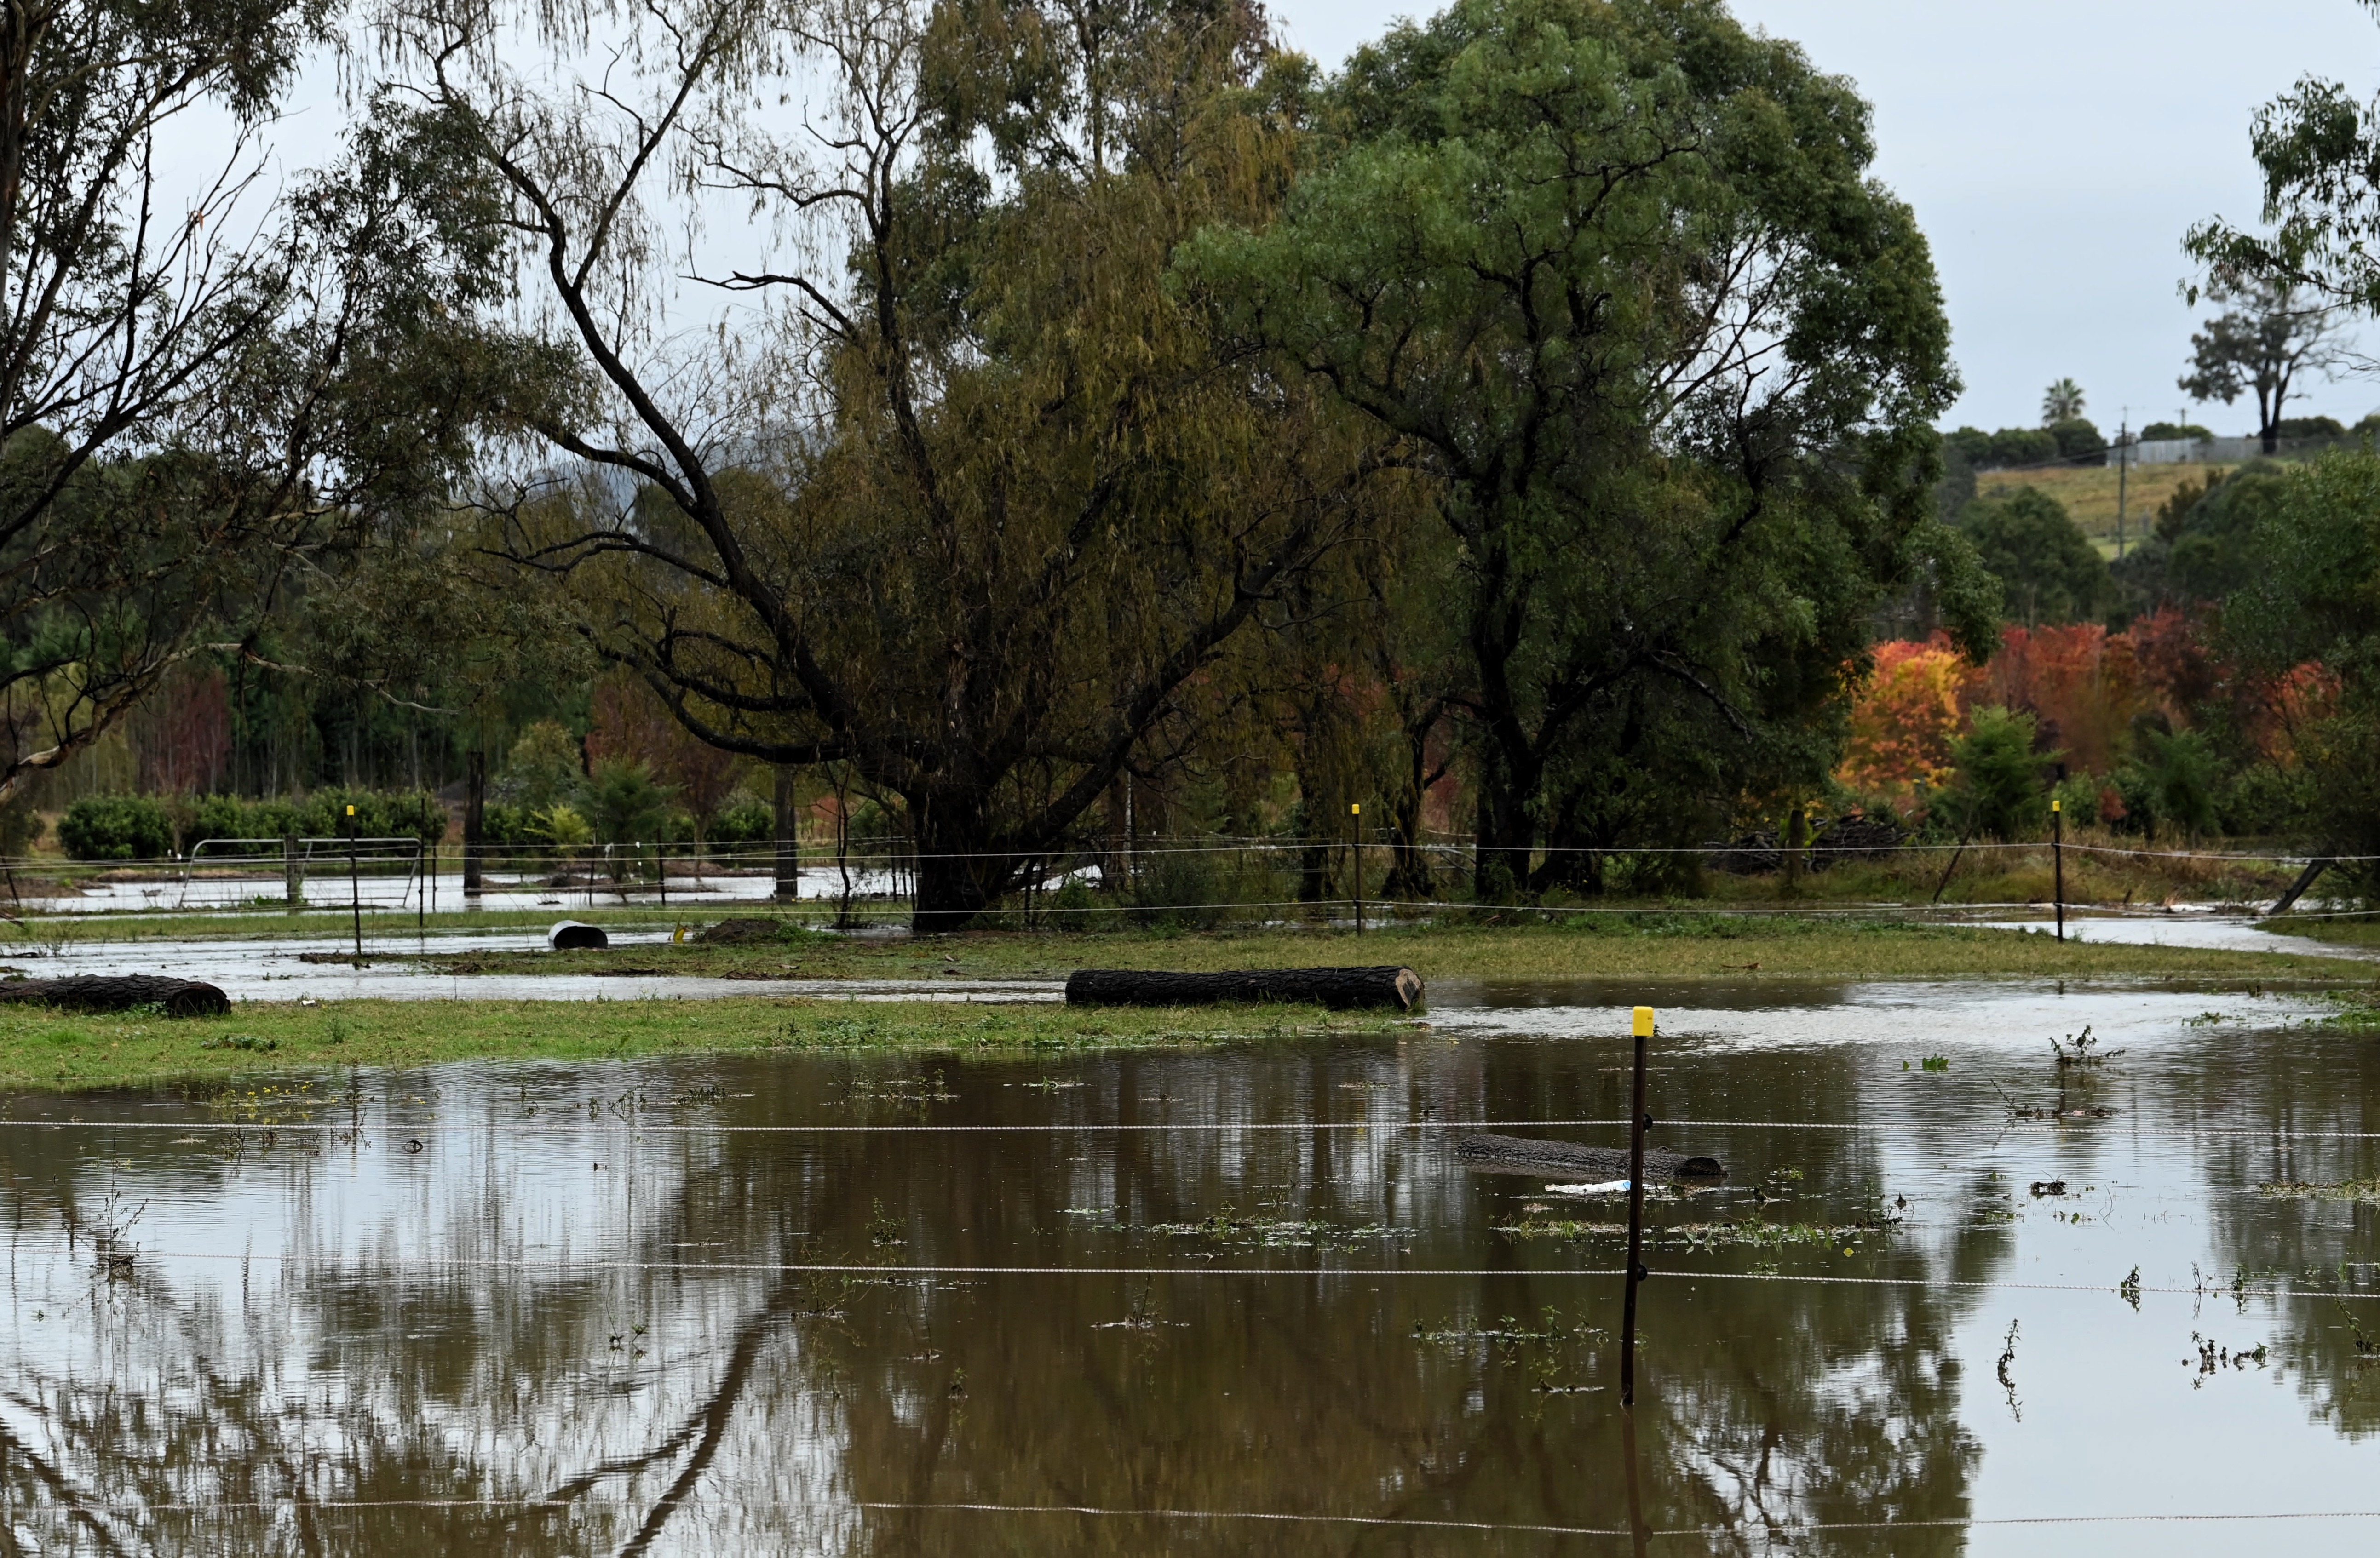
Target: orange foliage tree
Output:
[{"x": 1905, "y": 716}]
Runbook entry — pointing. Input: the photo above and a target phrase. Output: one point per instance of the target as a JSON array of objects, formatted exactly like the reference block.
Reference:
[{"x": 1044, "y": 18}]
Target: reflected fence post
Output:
[
  {"x": 1638, "y": 1535},
  {"x": 1638, "y": 1122}
]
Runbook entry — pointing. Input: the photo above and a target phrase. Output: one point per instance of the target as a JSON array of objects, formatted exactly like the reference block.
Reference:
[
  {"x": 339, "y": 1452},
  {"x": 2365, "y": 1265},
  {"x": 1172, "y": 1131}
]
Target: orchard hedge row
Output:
[{"x": 153, "y": 827}]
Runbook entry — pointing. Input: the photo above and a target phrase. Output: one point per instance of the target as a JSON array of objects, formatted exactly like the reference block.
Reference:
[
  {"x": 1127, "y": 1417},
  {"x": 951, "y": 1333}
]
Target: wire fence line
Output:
[
  {"x": 1078, "y": 884},
  {"x": 433, "y": 1266},
  {"x": 296, "y": 1503},
  {"x": 2054, "y": 1127},
  {"x": 334, "y": 851}
]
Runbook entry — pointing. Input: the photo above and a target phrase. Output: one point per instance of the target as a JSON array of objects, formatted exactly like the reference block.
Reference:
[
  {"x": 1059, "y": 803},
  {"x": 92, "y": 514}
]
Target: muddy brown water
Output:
[{"x": 546, "y": 1309}]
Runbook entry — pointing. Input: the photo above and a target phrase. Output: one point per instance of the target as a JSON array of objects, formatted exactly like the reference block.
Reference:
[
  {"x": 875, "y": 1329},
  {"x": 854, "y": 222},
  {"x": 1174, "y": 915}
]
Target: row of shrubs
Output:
[
  {"x": 154, "y": 827},
  {"x": 524, "y": 828}
]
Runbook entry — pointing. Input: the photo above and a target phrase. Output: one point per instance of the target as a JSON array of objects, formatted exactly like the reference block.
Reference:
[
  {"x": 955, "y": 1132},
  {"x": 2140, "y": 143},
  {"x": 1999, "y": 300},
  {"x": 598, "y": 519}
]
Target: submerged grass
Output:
[
  {"x": 41, "y": 1049},
  {"x": 2364, "y": 1191},
  {"x": 1750, "y": 1233},
  {"x": 1654, "y": 943}
]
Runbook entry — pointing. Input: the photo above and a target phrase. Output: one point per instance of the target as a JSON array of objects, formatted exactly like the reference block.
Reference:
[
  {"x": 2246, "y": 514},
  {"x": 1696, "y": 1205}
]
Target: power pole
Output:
[{"x": 2123, "y": 464}]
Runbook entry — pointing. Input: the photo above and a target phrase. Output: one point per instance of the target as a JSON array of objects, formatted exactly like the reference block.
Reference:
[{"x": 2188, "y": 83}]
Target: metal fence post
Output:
[
  {"x": 2057, "y": 855},
  {"x": 355, "y": 885},
  {"x": 1356, "y": 859},
  {"x": 1638, "y": 1120}
]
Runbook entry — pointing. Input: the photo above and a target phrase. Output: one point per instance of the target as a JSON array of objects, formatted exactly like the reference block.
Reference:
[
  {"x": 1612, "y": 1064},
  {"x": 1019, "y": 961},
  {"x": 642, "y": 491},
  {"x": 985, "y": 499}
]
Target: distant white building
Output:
[{"x": 2186, "y": 451}]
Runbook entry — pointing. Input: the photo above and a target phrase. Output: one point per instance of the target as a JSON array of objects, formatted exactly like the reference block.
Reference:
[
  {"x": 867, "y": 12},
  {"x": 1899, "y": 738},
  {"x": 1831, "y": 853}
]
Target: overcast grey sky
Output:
[{"x": 2055, "y": 154}]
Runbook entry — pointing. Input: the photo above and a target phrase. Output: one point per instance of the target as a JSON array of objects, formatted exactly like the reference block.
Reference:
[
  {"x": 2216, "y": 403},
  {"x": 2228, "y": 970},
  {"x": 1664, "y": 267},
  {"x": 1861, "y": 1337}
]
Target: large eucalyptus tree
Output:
[{"x": 1620, "y": 276}]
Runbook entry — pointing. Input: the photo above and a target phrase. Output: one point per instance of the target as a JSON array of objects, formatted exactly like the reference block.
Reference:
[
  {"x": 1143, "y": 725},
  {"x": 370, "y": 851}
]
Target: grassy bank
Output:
[
  {"x": 49, "y": 1049},
  {"x": 2089, "y": 493},
  {"x": 2359, "y": 931},
  {"x": 1654, "y": 945}
]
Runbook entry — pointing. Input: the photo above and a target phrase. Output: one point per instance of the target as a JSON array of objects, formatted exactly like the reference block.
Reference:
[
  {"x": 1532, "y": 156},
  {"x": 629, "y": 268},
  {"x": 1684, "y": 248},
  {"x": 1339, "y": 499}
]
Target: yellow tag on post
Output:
[
  {"x": 2057, "y": 805},
  {"x": 1644, "y": 1022}
]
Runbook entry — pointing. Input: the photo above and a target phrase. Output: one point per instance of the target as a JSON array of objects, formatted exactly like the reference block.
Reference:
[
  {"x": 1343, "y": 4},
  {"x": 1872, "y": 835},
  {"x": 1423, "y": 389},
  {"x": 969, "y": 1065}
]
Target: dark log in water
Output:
[
  {"x": 119, "y": 992},
  {"x": 1598, "y": 1163},
  {"x": 1341, "y": 988}
]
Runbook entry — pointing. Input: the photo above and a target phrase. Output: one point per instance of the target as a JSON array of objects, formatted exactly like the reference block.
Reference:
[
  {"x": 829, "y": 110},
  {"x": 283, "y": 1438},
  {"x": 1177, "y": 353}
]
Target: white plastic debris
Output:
[{"x": 1609, "y": 1188}]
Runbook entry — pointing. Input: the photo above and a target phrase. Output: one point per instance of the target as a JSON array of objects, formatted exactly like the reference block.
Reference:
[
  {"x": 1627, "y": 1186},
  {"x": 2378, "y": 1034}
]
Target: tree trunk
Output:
[
  {"x": 960, "y": 874},
  {"x": 1341, "y": 988},
  {"x": 1505, "y": 837},
  {"x": 474, "y": 820},
  {"x": 1410, "y": 875},
  {"x": 788, "y": 836}
]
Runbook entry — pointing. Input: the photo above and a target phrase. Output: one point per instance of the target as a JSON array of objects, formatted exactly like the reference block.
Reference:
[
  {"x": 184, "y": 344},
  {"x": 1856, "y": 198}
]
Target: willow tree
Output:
[
  {"x": 958, "y": 493},
  {"x": 1618, "y": 274}
]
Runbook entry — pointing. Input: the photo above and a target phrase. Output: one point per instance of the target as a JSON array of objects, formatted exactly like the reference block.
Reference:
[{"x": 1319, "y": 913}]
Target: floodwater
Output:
[
  {"x": 277, "y": 969},
  {"x": 563, "y": 1309},
  {"x": 289, "y": 968}
]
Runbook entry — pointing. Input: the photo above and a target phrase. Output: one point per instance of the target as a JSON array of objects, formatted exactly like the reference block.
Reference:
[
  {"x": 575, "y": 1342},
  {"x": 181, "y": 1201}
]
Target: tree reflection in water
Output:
[{"x": 215, "y": 1406}]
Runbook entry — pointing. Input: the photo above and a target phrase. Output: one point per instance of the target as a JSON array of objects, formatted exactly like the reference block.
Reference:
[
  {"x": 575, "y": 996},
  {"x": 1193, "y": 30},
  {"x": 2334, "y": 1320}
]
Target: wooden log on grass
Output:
[
  {"x": 1338, "y": 988},
  {"x": 1519, "y": 1155},
  {"x": 119, "y": 992}
]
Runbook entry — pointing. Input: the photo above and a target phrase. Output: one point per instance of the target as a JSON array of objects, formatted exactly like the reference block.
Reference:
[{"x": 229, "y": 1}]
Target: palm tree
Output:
[{"x": 2061, "y": 402}]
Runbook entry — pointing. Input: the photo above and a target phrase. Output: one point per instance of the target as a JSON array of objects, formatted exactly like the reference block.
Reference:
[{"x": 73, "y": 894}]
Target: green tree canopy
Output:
[
  {"x": 1617, "y": 278},
  {"x": 2312, "y": 595},
  {"x": 2048, "y": 570},
  {"x": 2272, "y": 335}
]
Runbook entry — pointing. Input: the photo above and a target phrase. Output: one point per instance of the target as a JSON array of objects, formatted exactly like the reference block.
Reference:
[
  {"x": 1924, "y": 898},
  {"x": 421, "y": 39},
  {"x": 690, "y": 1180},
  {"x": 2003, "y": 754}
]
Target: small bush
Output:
[
  {"x": 115, "y": 828},
  {"x": 1179, "y": 889},
  {"x": 746, "y": 821},
  {"x": 1071, "y": 906},
  {"x": 1998, "y": 792}
]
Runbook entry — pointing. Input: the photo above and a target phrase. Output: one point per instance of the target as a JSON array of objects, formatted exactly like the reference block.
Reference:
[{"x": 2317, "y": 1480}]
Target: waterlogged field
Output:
[{"x": 1227, "y": 1294}]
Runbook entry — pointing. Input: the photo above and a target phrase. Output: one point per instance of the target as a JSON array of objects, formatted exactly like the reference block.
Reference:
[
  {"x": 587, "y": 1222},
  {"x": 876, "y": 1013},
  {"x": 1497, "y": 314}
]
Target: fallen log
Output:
[
  {"x": 119, "y": 992},
  {"x": 1518, "y": 1155},
  {"x": 1340, "y": 988}
]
